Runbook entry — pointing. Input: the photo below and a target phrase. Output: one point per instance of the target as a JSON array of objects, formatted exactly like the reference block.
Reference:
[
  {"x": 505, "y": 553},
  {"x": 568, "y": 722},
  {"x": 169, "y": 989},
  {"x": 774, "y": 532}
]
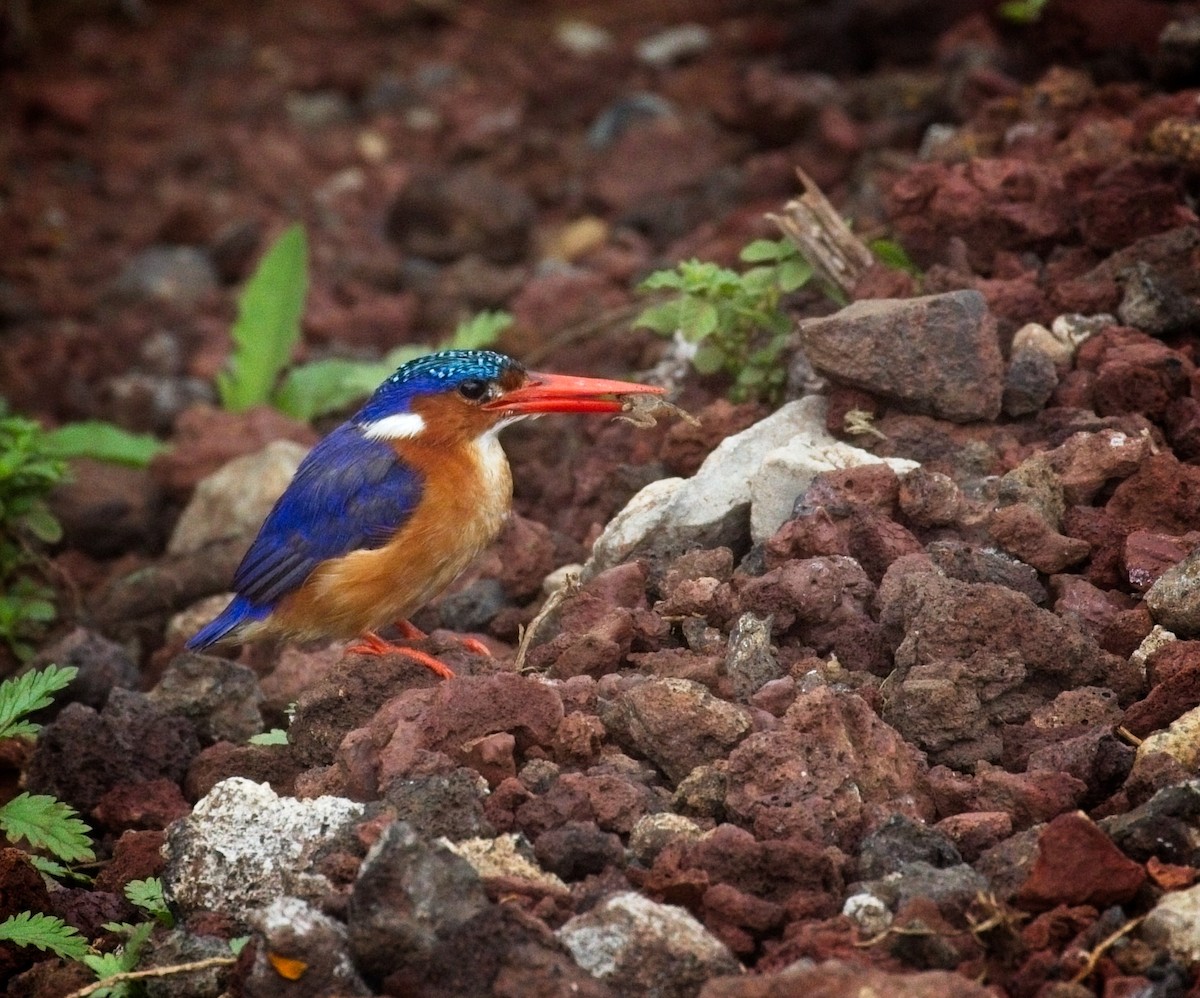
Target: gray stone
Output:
[
  {"x": 409, "y": 895},
  {"x": 674, "y": 44},
  {"x": 640, "y": 947},
  {"x": 181, "y": 275},
  {"x": 243, "y": 846},
  {"x": 218, "y": 696},
  {"x": 939, "y": 354},
  {"x": 442, "y": 806},
  {"x": 744, "y": 490},
  {"x": 234, "y": 500},
  {"x": 1154, "y": 304},
  {"x": 1174, "y": 924},
  {"x": 1174, "y": 600},
  {"x": 901, "y": 840},
  {"x": 295, "y": 930},
  {"x": 749, "y": 661},
  {"x": 103, "y": 665},
  {"x": 1029, "y": 382}
]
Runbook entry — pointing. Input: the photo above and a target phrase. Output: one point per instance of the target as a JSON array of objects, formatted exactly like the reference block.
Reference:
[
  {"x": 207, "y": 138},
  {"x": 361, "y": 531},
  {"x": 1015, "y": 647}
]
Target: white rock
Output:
[
  {"x": 788, "y": 470},
  {"x": 243, "y": 846},
  {"x": 236, "y": 498},
  {"x": 502, "y": 857},
  {"x": 643, "y": 948},
  {"x": 869, "y": 912},
  {"x": 1174, "y": 924},
  {"x": 764, "y": 468}
]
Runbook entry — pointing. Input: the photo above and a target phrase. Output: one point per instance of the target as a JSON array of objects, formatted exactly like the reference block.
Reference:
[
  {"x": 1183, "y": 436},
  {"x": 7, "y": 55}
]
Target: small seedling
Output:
[
  {"x": 40, "y": 820},
  {"x": 268, "y": 323},
  {"x": 734, "y": 319},
  {"x": 148, "y": 895},
  {"x": 268, "y": 328},
  {"x": 28, "y": 471}
]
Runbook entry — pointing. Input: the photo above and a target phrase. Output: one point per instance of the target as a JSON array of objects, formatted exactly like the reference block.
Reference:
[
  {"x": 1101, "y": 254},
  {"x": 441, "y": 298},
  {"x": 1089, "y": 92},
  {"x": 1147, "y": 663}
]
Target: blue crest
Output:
[{"x": 431, "y": 375}]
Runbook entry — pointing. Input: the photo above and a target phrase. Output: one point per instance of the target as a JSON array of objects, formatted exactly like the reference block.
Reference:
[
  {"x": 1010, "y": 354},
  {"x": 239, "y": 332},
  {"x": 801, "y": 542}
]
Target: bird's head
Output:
[{"x": 459, "y": 395}]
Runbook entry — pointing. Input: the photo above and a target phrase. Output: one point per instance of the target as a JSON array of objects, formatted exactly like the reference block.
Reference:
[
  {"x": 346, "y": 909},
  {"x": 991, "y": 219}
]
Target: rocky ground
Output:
[{"x": 894, "y": 687}]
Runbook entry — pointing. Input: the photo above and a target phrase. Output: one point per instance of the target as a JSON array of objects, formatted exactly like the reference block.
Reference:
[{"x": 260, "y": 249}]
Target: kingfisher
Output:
[{"x": 389, "y": 508}]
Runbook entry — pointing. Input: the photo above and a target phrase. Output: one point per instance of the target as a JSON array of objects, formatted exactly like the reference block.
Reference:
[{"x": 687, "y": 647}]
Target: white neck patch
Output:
[{"x": 401, "y": 426}]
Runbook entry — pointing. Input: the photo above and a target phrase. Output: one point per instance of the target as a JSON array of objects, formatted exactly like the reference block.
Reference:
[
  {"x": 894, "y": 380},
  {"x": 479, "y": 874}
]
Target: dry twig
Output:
[
  {"x": 838, "y": 257},
  {"x": 569, "y": 588},
  {"x": 140, "y": 975}
]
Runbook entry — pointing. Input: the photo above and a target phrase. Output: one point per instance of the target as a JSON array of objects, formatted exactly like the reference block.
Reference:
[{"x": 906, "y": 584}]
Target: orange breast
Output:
[{"x": 467, "y": 495}]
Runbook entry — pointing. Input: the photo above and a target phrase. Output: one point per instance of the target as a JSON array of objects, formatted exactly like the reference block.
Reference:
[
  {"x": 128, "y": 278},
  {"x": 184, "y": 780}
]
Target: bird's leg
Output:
[
  {"x": 373, "y": 644},
  {"x": 411, "y": 632}
]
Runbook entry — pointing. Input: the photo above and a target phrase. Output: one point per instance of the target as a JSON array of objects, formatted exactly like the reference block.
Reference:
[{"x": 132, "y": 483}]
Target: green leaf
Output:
[
  {"x": 709, "y": 359},
  {"x": 757, "y": 282},
  {"x": 697, "y": 319},
  {"x": 40, "y": 522},
  {"x": 663, "y": 318},
  {"x": 25, "y": 694},
  {"x": 268, "y": 323},
  {"x": 103, "y": 442},
  {"x": 766, "y": 251},
  {"x": 891, "y": 254},
  {"x": 237, "y": 944},
  {"x": 328, "y": 385},
  {"x": 46, "y": 933},
  {"x": 479, "y": 331},
  {"x": 1022, "y": 11},
  {"x": 663, "y": 280},
  {"x": 276, "y": 736},
  {"x": 148, "y": 895},
  {"x": 47, "y": 823},
  {"x": 120, "y": 961},
  {"x": 793, "y": 274}
]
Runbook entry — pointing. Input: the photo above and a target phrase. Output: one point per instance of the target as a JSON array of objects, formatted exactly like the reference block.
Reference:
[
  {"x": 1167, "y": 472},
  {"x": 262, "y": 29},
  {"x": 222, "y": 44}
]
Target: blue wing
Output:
[{"x": 349, "y": 493}]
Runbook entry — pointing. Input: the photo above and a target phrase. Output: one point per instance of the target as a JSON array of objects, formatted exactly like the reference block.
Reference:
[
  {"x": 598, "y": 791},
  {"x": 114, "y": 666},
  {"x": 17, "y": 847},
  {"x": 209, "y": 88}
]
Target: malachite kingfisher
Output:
[{"x": 390, "y": 507}]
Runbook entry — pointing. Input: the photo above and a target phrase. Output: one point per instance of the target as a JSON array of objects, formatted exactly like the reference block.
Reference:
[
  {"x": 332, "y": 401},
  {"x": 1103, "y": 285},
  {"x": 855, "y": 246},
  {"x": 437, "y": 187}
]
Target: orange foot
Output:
[
  {"x": 373, "y": 644},
  {"x": 411, "y": 632}
]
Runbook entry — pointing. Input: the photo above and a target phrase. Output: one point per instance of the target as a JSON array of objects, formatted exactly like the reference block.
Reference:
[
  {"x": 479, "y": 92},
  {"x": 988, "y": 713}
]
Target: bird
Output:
[{"x": 392, "y": 505}]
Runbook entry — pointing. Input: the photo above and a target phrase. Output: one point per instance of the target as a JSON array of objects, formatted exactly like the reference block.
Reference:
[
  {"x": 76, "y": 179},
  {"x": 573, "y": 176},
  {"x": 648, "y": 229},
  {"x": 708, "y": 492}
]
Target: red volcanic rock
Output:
[
  {"x": 1147, "y": 555},
  {"x": 150, "y": 804},
  {"x": 597, "y": 625},
  {"x": 973, "y": 832},
  {"x": 825, "y": 772},
  {"x": 971, "y": 658},
  {"x": 1024, "y": 533},
  {"x": 1174, "y": 671},
  {"x": 1078, "y": 864},
  {"x": 1163, "y": 495},
  {"x": 1086, "y": 462}
]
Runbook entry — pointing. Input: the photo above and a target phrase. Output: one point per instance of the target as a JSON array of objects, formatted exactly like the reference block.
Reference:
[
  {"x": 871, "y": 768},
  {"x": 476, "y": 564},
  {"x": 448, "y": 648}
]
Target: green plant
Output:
[
  {"x": 268, "y": 323},
  {"x": 1022, "y": 11},
  {"x": 148, "y": 895},
  {"x": 734, "y": 319},
  {"x": 102, "y": 442},
  {"x": 27, "y": 474},
  {"x": 41, "y": 820},
  {"x": 268, "y": 327},
  {"x": 119, "y": 961},
  {"x": 44, "y": 822},
  {"x": 326, "y": 386}
]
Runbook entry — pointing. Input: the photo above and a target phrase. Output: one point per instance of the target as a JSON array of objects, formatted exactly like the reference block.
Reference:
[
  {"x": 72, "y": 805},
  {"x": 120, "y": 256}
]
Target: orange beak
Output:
[{"x": 565, "y": 393}]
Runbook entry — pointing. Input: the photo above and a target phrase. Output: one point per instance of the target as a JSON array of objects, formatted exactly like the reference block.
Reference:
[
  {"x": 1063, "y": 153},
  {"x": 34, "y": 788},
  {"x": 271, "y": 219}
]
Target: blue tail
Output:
[{"x": 239, "y": 612}]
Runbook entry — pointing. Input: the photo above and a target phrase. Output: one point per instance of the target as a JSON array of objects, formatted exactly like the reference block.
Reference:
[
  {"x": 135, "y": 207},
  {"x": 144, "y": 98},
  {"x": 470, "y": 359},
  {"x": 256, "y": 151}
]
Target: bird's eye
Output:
[{"x": 473, "y": 389}]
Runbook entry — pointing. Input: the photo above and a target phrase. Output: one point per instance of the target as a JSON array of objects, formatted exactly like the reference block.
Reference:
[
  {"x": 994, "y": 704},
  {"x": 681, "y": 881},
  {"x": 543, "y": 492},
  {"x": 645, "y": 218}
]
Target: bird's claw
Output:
[{"x": 373, "y": 644}]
